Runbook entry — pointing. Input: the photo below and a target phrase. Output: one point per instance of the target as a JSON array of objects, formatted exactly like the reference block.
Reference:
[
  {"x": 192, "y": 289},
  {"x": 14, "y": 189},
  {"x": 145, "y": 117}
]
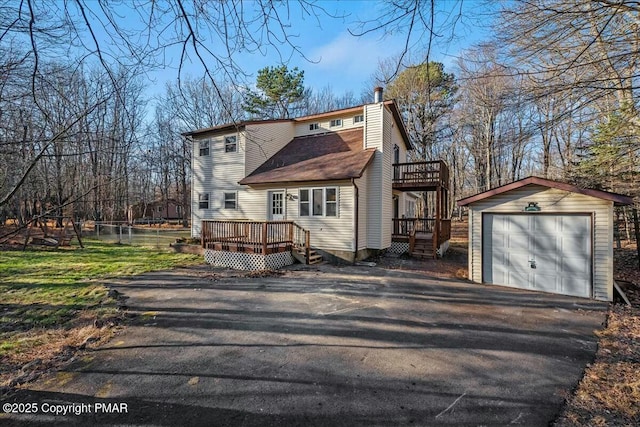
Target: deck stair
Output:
[
  {"x": 423, "y": 248},
  {"x": 299, "y": 253}
]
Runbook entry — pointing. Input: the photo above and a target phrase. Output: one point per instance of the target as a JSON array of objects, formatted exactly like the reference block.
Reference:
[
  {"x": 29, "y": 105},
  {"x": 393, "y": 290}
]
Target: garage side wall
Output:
[{"x": 550, "y": 201}]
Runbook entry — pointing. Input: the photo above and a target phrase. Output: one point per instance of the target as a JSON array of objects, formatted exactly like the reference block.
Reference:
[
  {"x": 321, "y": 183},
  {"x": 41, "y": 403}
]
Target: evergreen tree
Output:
[{"x": 279, "y": 93}]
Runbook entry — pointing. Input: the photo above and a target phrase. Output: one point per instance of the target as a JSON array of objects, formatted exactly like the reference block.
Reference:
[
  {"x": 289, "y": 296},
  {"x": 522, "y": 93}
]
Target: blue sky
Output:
[{"x": 346, "y": 63}]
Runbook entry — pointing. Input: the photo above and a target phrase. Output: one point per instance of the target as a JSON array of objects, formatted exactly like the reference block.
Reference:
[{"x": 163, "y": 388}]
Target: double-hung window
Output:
[
  {"x": 230, "y": 144},
  {"x": 203, "y": 201},
  {"x": 335, "y": 123},
  {"x": 231, "y": 200},
  {"x": 203, "y": 146},
  {"x": 318, "y": 202}
]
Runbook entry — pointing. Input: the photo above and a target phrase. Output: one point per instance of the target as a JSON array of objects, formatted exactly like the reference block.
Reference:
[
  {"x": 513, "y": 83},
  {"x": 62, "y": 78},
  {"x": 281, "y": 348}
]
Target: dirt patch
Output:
[
  {"x": 51, "y": 349},
  {"x": 452, "y": 265}
]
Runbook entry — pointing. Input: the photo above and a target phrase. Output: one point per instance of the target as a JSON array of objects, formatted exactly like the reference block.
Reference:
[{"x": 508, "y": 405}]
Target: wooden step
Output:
[
  {"x": 299, "y": 253},
  {"x": 315, "y": 259}
]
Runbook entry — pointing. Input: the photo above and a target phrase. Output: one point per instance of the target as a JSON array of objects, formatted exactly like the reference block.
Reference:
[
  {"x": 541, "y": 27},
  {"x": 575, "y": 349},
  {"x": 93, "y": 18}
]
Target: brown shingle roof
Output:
[{"x": 324, "y": 157}]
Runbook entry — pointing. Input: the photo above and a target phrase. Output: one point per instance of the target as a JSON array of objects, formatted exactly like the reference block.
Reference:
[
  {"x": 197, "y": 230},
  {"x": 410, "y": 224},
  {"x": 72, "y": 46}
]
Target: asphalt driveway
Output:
[{"x": 334, "y": 347}]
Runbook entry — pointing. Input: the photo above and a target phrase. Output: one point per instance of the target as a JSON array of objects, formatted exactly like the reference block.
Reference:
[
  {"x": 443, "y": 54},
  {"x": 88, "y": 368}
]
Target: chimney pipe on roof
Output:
[{"x": 377, "y": 94}]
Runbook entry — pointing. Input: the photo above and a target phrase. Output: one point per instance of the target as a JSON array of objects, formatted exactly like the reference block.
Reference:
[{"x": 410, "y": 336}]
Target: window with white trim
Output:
[
  {"x": 314, "y": 126},
  {"x": 335, "y": 123},
  {"x": 318, "y": 201},
  {"x": 203, "y": 201},
  {"x": 203, "y": 146},
  {"x": 358, "y": 119},
  {"x": 231, "y": 200},
  {"x": 230, "y": 144}
]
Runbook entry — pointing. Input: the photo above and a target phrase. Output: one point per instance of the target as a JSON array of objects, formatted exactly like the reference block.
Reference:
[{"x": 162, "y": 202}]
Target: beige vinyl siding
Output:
[
  {"x": 363, "y": 191},
  {"x": 262, "y": 141},
  {"x": 302, "y": 127},
  {"x": 396, "y": 138},
  {"x": 217, "y": 173},
  {"x": 373, "y": 138},
  {"x": 387, "y": 178},
  {"x": 551, "y": 201},
  {"x": 330, "y": 233},
  {"x": 403, "y": 198}
]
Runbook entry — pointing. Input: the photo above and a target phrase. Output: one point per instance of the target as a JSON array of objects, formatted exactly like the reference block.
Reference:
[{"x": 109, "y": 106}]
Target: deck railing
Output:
[
  {"x": 302, "y": 240},
  {"x": 405, "y": 226},
  {"x": 262, "y": 237},
  {"x": 421, "y": 174}
]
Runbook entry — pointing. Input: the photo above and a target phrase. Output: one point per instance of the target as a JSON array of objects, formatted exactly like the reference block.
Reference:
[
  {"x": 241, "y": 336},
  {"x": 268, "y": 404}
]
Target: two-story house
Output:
[{"x": 341, "y": 175}]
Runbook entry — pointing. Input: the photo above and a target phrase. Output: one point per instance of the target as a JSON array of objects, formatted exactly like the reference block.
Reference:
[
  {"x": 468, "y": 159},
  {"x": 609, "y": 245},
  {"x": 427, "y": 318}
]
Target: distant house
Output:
[
  {"x": 342, "y": 175},
  {"x": 159, "y": 209}
]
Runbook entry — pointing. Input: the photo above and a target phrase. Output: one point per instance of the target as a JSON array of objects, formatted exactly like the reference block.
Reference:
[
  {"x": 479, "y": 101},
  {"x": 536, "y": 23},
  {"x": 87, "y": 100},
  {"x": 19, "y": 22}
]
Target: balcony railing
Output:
[
  {"x": 418, "y": 176},
  {"x": 407, "y": 227},
  {"x": 261, "y": 237}
]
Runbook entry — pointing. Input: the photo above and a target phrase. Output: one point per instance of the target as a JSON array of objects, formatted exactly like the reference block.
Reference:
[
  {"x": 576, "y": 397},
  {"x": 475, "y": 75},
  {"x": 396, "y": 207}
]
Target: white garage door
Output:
[{"x": 550, "y": 253}]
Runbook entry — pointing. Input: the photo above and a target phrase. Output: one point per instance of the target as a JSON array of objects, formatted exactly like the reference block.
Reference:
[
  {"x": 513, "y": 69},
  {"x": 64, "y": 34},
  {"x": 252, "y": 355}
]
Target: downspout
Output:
[{"x": 356, "y": 218}]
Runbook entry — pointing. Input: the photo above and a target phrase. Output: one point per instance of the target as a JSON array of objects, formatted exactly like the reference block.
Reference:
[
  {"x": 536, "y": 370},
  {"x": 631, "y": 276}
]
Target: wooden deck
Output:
[
  {"x": 421, "y": 176},
  {"x": 258, "y": 237}
]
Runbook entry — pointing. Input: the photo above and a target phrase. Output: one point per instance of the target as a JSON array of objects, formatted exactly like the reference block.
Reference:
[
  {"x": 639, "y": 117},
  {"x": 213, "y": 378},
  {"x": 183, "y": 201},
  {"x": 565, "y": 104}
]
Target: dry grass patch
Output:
[
  {"x": 609, "y": 392},
  {"x": 53, "y": 304}
]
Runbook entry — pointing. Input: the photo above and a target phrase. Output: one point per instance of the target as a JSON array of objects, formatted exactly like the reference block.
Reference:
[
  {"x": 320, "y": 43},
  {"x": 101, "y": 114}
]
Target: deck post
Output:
[
  {"x": 290, "y": 231},
  {"x": 436, "y": 227},
  {"x": 307, "y": 243},
  {"x": 264, "y": 238}
]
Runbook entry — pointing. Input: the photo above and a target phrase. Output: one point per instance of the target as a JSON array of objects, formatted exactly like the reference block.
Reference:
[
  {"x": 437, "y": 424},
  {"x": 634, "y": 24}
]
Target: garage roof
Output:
[{"x": 617, "y": 199}]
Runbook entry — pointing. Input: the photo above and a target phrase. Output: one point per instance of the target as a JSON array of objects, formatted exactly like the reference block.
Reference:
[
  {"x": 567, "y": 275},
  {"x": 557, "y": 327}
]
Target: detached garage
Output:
[{"x": 544, "y": 235}]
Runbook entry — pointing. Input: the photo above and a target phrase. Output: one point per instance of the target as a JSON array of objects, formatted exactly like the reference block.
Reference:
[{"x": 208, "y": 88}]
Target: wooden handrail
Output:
[
  {"x": 404, "y": 226},
  {"x": 421, "y": 173},
  {"x": 258, "y": 236},
  {"x": 412, "y": 241},
  {"x": 302, "y": 238}
]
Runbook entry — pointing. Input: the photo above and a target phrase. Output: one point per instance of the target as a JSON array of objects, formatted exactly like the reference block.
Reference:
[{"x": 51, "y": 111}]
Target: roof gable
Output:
[
  {"x": 617, "y": 199},
  {"x": 321, "y": 157}
]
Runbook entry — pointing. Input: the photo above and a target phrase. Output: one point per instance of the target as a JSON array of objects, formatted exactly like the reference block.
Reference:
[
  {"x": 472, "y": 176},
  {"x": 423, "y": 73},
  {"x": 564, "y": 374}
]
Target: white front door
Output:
[
  {"x": 276, "y": 205},
  {"x": 550, "y": 253}
]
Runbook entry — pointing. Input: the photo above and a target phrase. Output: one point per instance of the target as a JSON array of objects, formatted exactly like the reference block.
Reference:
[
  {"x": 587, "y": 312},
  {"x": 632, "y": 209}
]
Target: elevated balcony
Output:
[{"x": 421, "y": 176}]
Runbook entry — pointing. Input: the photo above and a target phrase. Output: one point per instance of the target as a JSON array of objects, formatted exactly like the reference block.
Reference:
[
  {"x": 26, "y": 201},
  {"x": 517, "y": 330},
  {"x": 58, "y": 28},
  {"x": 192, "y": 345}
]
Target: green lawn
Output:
[{"x": 46, "y": 289}]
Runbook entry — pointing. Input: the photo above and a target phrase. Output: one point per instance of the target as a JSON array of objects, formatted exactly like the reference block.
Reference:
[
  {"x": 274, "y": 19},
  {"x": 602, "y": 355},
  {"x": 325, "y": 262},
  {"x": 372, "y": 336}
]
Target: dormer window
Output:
[
  {"x": 314, "y": 126},
  {"x": 230, "y": 144},
  {"x": 359, "y": 118},
  {"x": 335, "y": 123}
]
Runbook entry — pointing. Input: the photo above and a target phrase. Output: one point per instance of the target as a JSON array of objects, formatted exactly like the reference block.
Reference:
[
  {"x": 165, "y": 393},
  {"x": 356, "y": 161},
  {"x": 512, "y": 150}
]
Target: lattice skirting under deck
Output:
[
  {"x": 399, "y": 247},
  {"x": 248, "y": 261}
]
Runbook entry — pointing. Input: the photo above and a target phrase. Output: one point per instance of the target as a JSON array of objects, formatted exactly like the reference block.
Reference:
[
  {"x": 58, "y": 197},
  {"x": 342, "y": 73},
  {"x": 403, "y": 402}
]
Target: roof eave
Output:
[
  {"x": 617, "y": 199},
  {"x": 391, "y": 104},
  {"x": 232, "y": 126}
]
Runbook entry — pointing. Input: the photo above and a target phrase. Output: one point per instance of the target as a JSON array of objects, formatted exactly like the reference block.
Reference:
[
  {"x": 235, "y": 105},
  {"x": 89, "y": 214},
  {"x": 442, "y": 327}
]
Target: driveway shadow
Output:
[{"x": 344, "y": 346}]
